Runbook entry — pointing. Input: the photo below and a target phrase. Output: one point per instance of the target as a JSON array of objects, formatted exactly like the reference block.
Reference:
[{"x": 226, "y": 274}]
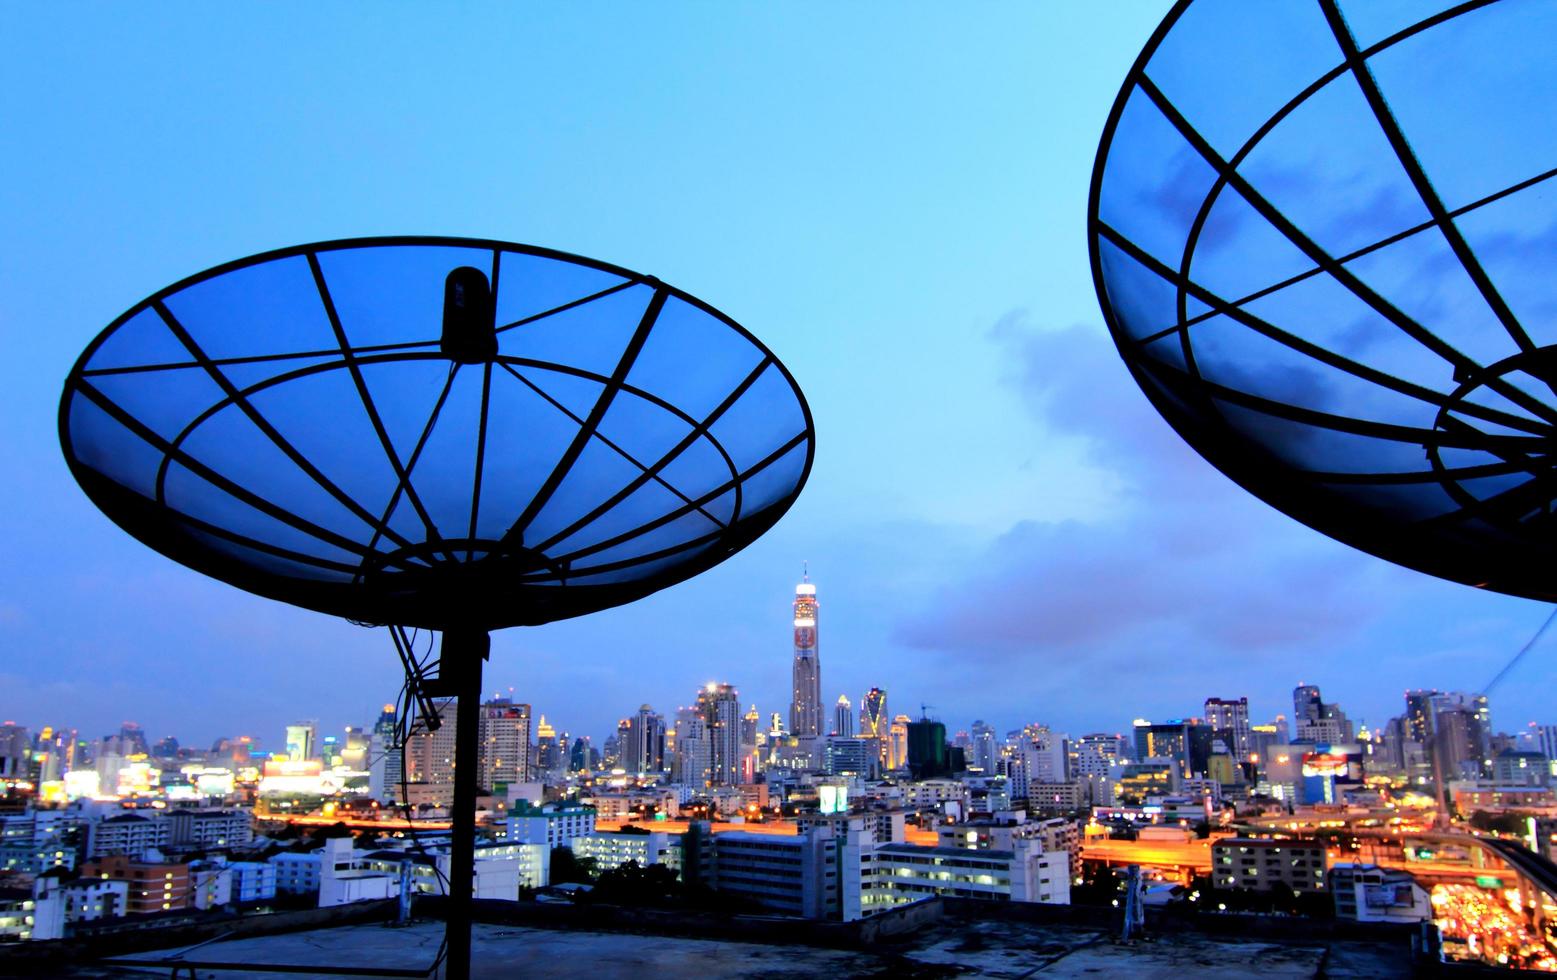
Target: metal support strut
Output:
[{"x": 460, "y": 668}]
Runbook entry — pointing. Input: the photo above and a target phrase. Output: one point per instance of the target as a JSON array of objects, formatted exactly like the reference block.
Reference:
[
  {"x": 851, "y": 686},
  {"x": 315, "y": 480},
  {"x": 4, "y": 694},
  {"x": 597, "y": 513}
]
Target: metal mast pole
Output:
[{"x": 460, "y": 666}]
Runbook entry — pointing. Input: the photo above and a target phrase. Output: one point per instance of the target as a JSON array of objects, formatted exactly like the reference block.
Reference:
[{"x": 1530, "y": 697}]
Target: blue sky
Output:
[{"x": 893, "y": 199}]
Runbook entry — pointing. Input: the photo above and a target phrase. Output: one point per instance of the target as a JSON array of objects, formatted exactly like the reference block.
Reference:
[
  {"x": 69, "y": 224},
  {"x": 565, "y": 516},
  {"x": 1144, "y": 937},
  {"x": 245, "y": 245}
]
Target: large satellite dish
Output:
[
  {"x": 1322, "y": 235},
  {"x": 446, "y": 433},
  {"x": 435, "y": 432}
]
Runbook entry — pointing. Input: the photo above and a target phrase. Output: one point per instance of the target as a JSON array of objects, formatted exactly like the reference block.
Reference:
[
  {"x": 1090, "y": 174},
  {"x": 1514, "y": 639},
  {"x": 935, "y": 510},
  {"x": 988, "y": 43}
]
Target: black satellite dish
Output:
[
  {"x": 445, "y": 433},
  {"x": 1321, "y": 235}
]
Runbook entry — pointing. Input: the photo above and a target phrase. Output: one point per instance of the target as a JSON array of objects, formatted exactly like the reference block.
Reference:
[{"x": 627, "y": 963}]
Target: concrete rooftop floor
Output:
[{"x": 996, "y": 949}]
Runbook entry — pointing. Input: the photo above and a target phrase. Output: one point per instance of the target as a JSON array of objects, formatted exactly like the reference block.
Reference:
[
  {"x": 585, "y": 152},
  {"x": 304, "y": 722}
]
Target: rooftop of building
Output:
[
  {"x": 757, "y": 837},
  {"x": 983, "y": 942},
  {"x": 524, "y": 808},
  {"x": 921, "y": 850},
  {"x": 1268, "y": 842},
  {"x": 1359, "y": 868}
]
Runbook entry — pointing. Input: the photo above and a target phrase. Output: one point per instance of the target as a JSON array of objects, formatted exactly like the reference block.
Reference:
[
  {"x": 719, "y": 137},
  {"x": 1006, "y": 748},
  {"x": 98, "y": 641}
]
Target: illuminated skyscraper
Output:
[
  {"x": 693, "y": 748},
  {"x": 581, "y": 755},
  {"x": 355, "y": 749},
  {"x": 751, "y": 737},
  {"x": 897, "y": 743},
  {"x": 985, "y": 754},
  {"x": 385, "y": 759},
  {"x": 429, "y": 756},
  {"x": 644, "y": 751},
  {"x": 302, "y": 739},
  {"x": 873, "y": 714},
  {"x": 1307, "y": 706},
  {"x": 843, "y": 717},
  {"x": 1543, "y": 739},
  {"x": 874, "y": 724},
  {"x": 505, "y": 743},
  {"x": 720, "y": 707},
  {"x": 15, "y": 747},
  {"x": 133, "y": 740},
  {"x": 53, "y": 755},
  {"x": 613, "y": 754},
  {"x": 750, "y": 726},
  {"x": 1233, "y": 716},
  {"x": 805, "y": 708},
  {"x": 548, "y": 755},
  {"x": 1317, "y": 720}
]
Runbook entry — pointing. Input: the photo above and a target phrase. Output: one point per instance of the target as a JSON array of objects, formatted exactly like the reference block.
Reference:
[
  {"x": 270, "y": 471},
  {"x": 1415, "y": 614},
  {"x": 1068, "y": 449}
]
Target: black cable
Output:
[
  {"x": 405, "y": 725},
  {"x": 1523, "y": 650}
]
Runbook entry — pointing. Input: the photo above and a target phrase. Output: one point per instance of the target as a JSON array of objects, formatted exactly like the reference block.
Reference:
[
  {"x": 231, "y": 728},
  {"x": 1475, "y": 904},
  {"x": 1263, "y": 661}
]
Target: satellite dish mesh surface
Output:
[
  {"x": 436, "y": 432},
  {"x": 1322, "y": 235}
]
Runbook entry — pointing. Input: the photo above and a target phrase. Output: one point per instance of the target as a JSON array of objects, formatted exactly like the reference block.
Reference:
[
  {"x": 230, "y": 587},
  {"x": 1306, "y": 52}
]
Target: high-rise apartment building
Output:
[
  {"x": 1045, "y": 753},
  {"x": 548, "y": 753},
  {"x": 693, "y": 748},
  {"x": 1097, "y": 756},
  {"x": 1307, "y": 706},
  {"x": 985, "y": 755},
  {"x": 385, "y": 760},
  {"x": 302, "y": 740},
  {"x": 581, "y": 755},
  {"x": 1164, "y": 740},
  {"x": 843, "y": 717},
  {"x": 1261, "y": 740},
  {"x": 1458, "y": 743},
  {"x": 132, "y": 740},
  {"x": 1454, "y": 729},
  {"x": 644, "y": 751},
  {"x": 505, "y": 743},
  {"x": 897, "y": 743},
  {"x": 1233, "y": 716},
  {"x": 15, "y": 751},
  {"x": 1420, "y": 708},
  {"x": 356, "y": 748},
  {"x": 1315, "y": 720},
  {"x": 720, "y": 706},
  {"x": 54, "y": 755},
  {"x": 1543, "y": 739},
  {"x": 430, "y": 755},
  {"x": 927, "y": 757},
  {"x": 751, "y": 738},
  {"x": 805, "y": 707}
]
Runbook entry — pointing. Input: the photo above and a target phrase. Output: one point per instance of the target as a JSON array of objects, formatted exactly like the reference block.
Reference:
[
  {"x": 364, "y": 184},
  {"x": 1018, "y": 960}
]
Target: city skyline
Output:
[
  {"x": 1032, "y": 519},
  {"x": 1221, "y": 709},
  {"x": 1091, "y": 367}
]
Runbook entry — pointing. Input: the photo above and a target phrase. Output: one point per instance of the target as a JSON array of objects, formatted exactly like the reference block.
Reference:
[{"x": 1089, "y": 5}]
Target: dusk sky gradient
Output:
[{"x": 892, "y": 198}]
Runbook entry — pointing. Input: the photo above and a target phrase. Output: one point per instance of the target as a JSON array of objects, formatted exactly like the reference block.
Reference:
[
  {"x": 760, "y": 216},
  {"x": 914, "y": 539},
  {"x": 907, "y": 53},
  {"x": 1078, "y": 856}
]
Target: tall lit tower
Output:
[
  {"x": 805, "y": 709},
  {"x": 504, "y": 735},
  {"x": 720, "y": 707},
  {"x": 644, "y": 750},
  {"x": 843, "y": 717},
  {"x": 897, "y": 742},
  {"x": 1233, "y": 716},
  {"x": 874, "y": 722}
]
